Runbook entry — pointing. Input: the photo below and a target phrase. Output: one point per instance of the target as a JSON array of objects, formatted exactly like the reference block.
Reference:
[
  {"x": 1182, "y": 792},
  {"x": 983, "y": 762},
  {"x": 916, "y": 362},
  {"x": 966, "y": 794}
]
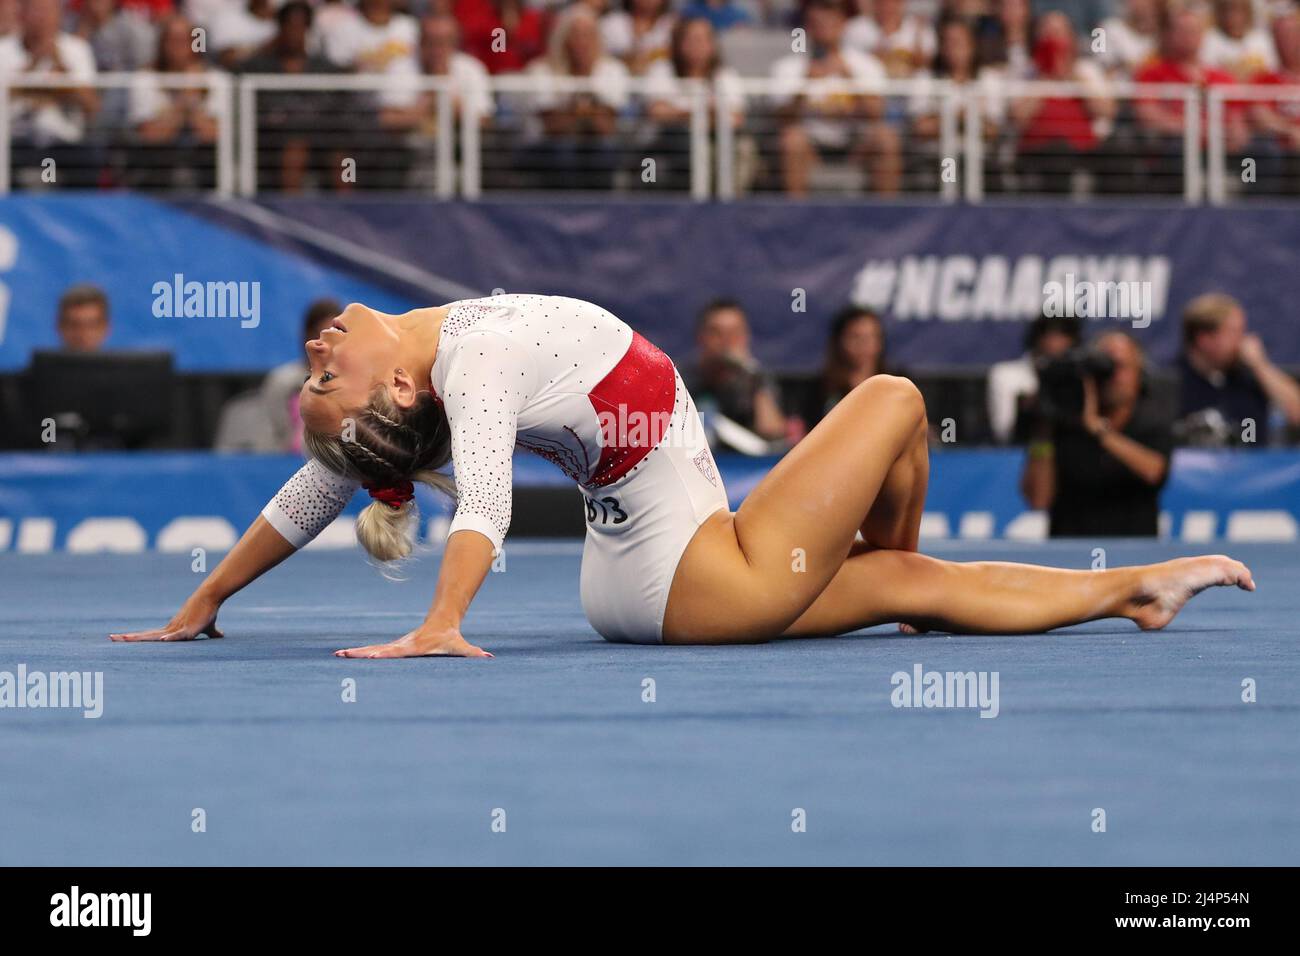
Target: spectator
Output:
[
  {"x": 723, "y": 14},
  {"x": 956, "y": 62},
  {"x": 206, "y": 12},
  {"x": 505, "y": 35},
  {"x": 1235, "y": 45},
  {"x": 381, "y": 40},
  {"x": 83, "y": 320},
  {"x": 238, "y": 32},
  {"x": 267, "y": 418},
  {"x": 1059, "y": 135},
  {"x": 1281, "y": 117},
  {"x": 330, "y": 19},
  {"x": 694, "y": 56},
  {"x": 175, "y": 127},
  {"x": 1005, "y": 38},
  {"x": 903, "y": 43},
  {"x": 1099, "y": 472},
  {"x": 1227, "y": 372},
  {"x": 417, "y": 116},
  {"x": 122, "y": 40},
  {"x": 1082, "y": 14},
  {"x": 855, "y": 351},
  {"x": 640, "y": 34},
  {"x": 1013, "y": 384},
  {"x": 823, "y": 120},
  {"x": 1130, "y": 40},
  {"x": 1163, "y": 120},
  {"x": 578, "y": 149},
  {"x": 726, "y": 379},
  {"x": 50, "y": 123},
  {"x": 293, "y": 126},
  {"x": 150, "y": 9}
]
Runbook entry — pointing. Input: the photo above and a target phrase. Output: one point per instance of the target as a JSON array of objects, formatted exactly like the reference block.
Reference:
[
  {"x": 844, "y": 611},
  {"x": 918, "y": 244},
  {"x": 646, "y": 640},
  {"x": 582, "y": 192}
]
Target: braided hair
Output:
[{"x": 386, "y": 445}]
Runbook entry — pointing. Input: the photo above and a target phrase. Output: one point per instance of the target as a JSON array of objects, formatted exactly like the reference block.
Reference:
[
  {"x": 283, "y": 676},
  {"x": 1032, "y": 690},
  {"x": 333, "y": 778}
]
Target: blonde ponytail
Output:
[
  {"x": 388, "y": 533},
  {"x": 390, "y": 445}
]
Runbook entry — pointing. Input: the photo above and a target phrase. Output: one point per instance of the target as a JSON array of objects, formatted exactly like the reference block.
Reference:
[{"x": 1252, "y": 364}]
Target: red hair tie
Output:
[{"x": 394, "y": 495}]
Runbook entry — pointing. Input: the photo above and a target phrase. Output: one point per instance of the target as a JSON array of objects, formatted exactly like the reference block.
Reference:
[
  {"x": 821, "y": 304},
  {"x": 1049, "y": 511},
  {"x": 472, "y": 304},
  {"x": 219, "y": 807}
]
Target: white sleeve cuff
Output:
[
  {"x": 285, "y": 525},
  {"x": 472, "y": 522}
]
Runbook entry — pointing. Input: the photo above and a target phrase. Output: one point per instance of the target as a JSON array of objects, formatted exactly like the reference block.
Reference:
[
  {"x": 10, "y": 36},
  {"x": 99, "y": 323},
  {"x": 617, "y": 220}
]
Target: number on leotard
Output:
[
  {"x": 619, "y": 514},
  {"x": 605, "y": 511}
]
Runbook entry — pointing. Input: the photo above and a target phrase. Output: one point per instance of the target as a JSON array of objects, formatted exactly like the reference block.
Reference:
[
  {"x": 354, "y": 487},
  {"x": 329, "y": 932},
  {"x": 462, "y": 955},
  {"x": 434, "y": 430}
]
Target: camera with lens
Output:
[{"x": 1060, "y": 381}]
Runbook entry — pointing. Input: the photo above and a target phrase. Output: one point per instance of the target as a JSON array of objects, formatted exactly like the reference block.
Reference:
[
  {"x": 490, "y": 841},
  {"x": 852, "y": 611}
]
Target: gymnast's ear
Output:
[{"x": 402, "y": 389}]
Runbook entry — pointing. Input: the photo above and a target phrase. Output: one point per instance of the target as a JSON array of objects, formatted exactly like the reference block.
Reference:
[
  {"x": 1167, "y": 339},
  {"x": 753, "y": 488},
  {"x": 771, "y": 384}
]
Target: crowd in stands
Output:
[{"x": 151, "y": 134}]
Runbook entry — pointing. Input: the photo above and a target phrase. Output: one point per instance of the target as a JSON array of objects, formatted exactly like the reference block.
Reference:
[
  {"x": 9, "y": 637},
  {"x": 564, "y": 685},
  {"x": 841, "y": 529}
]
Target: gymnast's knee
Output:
[{"x": 894, "y": 391}]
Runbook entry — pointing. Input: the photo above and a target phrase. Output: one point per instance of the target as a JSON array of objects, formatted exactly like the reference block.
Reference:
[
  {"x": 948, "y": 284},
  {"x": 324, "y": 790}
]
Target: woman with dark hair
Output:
[
  {"x": 693, "y": 56},
  {"x": 175, "y": 127},
  {"x": 956, "y": 61},
  {"x": 855, "y": 351}
]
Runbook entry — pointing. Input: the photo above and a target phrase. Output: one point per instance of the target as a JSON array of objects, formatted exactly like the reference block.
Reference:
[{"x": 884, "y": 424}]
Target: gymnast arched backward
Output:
[{"x": 825, "y": 544}]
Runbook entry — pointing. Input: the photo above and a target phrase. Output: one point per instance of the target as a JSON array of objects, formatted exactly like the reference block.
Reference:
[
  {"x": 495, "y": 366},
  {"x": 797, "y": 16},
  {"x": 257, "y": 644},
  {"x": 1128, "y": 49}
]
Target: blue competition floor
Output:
[{"x": 253, "y": 730}]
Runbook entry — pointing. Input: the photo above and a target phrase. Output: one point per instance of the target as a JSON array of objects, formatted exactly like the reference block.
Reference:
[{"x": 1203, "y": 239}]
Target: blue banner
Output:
[
  {"x": 180, "y": 501},
  {"x": 956, "y": 283},
  {"x": 218, "y": 299}
]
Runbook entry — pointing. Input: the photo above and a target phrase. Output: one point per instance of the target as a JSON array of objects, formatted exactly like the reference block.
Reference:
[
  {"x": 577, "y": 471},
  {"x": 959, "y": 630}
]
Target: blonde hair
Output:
[
  {"x": 385, "y": 444},
  {"x": 1206, "y": 313},
  {"x": 557, "y": 52}
]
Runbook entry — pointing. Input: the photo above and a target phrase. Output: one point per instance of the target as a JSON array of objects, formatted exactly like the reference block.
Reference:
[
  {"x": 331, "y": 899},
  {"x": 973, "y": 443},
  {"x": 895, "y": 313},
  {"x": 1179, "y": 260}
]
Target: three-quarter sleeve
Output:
[
  {"x": 308, "y": 503},
  {"x": 489, "y": 379}
]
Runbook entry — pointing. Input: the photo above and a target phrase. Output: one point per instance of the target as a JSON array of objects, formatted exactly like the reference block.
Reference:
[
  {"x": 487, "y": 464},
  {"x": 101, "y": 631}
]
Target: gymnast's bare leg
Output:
[{"x": 786, "y": 564}]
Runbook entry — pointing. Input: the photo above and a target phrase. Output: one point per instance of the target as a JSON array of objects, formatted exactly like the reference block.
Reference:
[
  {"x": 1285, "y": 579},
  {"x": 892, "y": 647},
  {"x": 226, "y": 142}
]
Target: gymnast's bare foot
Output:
[{"x": 1166, "y": 587}]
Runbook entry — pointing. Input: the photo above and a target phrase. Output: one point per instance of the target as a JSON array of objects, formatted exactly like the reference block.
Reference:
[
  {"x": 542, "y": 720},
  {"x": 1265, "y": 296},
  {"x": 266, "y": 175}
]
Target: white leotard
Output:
[
  {"x": 567, "y": 380},
  {"x": 510, "y": 369}
]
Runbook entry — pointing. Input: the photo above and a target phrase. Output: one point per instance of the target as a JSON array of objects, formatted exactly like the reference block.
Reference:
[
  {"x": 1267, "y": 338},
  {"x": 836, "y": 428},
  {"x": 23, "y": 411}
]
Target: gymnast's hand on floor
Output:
[
  {"x": 422, "y": 642},
  {"x": 198, "y": 615}
]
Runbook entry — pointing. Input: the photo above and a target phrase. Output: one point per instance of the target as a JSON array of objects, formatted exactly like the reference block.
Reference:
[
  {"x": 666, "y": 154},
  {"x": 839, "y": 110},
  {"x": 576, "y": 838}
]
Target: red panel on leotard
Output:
[{"x": 634, "y": 404}]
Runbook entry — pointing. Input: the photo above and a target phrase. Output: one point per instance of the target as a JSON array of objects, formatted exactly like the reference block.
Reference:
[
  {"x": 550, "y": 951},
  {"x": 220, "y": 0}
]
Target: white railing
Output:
[
  {"x": 218, "y": 85},
  {"x": 974, "y": 97},
  {"x": 1216, "y": 145},
  {"x": 717, "y": 157}
]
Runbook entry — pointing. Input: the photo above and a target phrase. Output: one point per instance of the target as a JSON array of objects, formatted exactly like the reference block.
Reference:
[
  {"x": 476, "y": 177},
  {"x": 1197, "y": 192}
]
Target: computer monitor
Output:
[{"x": 103, "y": 400}]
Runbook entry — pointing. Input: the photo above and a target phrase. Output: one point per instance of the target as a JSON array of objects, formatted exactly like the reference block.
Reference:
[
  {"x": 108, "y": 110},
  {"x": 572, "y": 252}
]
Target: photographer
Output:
[
  {"x": 1102, "y": 450},
  {"x": 1013, "y": 384}
]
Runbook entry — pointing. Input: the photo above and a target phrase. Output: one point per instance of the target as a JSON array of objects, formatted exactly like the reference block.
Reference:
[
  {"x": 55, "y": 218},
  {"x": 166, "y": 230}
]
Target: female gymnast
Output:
[{"x": 825, "y": 544}]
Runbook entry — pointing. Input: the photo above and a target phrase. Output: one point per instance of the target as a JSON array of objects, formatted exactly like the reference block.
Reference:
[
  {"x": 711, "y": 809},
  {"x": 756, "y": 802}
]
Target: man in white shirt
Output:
[
  {"x": 1013, "y": 385},
  {"x": 1130, "y": 40},
  {"x": 1235, "y": 44},
  {"x": 45, "y": 120},
  {"x": 413, "y": 113},
  {"x": 238, "y": 33},
  {"x": 829, "y": 103},
  {"x": 902, "y": 42},
  {"x": 380, "y": 41}
]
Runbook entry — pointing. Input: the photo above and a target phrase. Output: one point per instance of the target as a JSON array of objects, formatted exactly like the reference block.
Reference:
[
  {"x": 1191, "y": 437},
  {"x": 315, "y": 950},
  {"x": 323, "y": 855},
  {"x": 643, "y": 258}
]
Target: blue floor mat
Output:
[{"x": 553, "y": 738}]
